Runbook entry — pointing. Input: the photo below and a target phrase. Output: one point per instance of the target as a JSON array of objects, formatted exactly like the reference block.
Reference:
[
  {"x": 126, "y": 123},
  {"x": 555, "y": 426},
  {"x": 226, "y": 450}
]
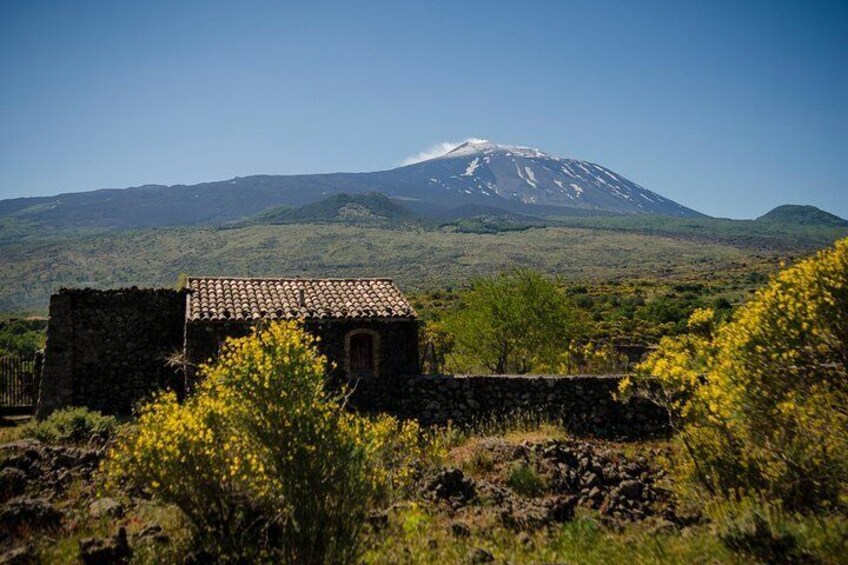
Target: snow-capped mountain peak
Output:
[
  {"x": 483, "y": 168},
  {"x": 475, "y": 146}
]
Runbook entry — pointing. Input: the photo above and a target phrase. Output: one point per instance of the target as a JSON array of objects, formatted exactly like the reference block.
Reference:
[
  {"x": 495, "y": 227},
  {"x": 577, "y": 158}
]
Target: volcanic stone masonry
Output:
[
  {"x": 109, "y": 349},
  {"x": 585, "y": 404}
]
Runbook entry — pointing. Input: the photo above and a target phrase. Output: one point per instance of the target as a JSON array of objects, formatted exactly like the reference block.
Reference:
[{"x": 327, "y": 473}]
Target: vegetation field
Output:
[
  {"x": 35, "y": 265},
  {"x": 265, "y": 463}
]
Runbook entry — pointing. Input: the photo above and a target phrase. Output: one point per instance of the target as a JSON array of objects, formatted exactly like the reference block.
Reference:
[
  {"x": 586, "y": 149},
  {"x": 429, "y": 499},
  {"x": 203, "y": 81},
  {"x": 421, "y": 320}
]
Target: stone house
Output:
[
  {"x": 367, "y": 327},
  {"x": 109, "y": 349}
]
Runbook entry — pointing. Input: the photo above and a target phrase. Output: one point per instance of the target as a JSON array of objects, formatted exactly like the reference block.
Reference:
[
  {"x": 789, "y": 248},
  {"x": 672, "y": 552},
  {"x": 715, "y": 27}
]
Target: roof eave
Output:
[{"x": 194, "y": 320}]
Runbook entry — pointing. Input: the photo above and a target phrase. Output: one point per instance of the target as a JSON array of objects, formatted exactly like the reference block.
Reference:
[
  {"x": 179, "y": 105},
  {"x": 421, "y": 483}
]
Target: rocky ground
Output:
[
  {"x": 51, "y": 493},
  {"x": 527, "y": 485}
]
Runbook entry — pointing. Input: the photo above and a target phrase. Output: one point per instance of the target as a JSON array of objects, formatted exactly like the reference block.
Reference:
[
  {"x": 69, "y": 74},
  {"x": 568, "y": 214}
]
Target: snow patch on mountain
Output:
[
  {"x": 531, "y": 178},
  {"x": 472, "y": 166}
]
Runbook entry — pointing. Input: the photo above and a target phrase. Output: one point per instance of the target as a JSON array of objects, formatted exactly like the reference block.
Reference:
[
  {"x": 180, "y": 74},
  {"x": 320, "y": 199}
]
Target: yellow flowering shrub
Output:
[
  {"x": 263, "y": 458},
  {"x": 764, "y": 398},
  {"x": 587, "y": 359}
]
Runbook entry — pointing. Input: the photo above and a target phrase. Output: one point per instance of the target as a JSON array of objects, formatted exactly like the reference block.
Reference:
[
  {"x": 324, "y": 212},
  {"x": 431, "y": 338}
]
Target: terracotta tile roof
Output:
[{"x": 240, "y": 299}]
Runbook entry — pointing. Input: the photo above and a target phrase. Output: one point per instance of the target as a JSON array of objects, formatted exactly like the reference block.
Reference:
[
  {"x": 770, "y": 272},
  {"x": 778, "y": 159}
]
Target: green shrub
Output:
[
  {"x": 524, "y": 480},
  {"x": 760, "y": 401},
  {"x": 74, "y": 425},
  {"x": 263, "y": 459}
]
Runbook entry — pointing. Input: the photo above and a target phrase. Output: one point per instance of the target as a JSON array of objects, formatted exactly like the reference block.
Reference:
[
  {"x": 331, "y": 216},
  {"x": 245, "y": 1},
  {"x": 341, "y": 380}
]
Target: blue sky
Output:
[{"x": 727, "y": 107}]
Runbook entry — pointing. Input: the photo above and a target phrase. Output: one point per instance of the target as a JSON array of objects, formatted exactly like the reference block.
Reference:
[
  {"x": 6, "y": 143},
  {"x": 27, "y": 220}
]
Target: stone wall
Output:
[
  {"x": 107, "y": 349},
  {"x": 584, "y": 403},
  {"x": 397, "y": 352}
]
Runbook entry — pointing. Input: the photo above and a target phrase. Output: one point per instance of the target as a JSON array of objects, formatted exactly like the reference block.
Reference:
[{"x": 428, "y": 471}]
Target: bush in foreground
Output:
[
  {"x": 761, "y": 401},
  {"x": 263, "y": 459}
]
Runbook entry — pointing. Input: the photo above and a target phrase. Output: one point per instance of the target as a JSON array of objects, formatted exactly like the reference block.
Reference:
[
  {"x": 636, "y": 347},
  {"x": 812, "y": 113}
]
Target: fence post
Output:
[{"x": 37, "y": 367}]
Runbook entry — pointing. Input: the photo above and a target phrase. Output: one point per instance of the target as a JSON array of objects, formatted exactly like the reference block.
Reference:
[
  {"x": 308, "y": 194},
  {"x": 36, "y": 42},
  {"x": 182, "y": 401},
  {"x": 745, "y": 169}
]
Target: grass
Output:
[
  {"x": 64, "y": 547},
  {"x": 524, "y": 480},
  {"x": 760, "y": 529},
  {"x": 12, "y": 429},
  {"x": 72, "y": 425},
  {"x": 420, "y": 535}
]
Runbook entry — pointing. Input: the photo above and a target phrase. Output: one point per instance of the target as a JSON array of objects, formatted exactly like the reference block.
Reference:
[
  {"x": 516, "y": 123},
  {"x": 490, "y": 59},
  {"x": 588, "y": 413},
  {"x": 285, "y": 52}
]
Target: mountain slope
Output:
[
  {"x": 803, "y": 215},
  {"x": 476, "y": 172},
  {"x": 342, "y": 207}
]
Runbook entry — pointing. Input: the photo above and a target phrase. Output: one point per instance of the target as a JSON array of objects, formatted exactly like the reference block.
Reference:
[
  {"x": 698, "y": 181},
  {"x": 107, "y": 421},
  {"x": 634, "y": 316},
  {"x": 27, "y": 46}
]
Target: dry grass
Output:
[{"x": 12, "y": 429}]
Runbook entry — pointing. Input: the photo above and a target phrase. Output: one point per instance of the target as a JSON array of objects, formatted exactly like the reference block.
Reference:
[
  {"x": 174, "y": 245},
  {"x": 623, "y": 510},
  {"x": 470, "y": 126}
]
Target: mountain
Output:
[
  {"x": 803, "y": 215},
  {"x": 343, "y": 207},
  {"x": 529, "y": 176},
  {"x": 477, "y": 172}
]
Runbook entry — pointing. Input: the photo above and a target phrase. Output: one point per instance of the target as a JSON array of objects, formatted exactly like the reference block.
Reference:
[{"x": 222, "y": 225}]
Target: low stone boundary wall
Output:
[
  {"x": 584, "y": 403},
  {"x": 107, "y": 349}
]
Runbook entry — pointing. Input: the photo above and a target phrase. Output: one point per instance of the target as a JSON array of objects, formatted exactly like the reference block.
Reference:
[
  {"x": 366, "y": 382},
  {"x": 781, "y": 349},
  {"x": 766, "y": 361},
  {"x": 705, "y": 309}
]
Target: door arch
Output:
[{"x": 362, "y": 359}]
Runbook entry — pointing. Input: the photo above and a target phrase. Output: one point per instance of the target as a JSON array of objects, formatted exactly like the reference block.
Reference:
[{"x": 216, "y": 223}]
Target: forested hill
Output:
[{"x": 803, "y": 215}]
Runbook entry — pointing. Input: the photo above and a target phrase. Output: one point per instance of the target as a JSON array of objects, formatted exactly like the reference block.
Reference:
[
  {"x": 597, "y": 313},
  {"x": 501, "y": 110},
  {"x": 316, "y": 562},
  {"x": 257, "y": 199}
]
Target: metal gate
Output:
[{"x": 19, "y": 381}]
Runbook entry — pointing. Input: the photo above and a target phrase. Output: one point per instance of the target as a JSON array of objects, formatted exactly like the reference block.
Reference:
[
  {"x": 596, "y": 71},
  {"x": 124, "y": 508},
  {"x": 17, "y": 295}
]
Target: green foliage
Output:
[
  {"x": 263, "y": 459},
  {"x": 342, "y": 207},
  {"x": 761, "y": 399},
  {"x": 512, "y": 323},
  {"x": 494, "y": 224},
  {"x": 524, "y": 480},
  {"x": 587, "y": 359},
  {"x": 22, "y": 337},
  {"x": 741, "y": 233},
  {"x": 74, "y": 425}
]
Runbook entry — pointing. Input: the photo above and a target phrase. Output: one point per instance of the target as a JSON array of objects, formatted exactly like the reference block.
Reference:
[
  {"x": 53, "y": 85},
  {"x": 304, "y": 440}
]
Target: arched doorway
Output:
[{"x": 361, "y": 359}]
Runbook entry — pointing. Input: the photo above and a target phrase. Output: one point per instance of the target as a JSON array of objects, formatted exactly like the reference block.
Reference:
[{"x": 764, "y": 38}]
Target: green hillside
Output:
[
  {"x": 343, "y": 207},
  {"x": 802, "y": 215},
  {"x": 418, "y": 257}
]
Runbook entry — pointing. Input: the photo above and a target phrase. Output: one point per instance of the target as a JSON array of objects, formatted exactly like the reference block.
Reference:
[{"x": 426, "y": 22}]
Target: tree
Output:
[{"x": 511, "y": 323}]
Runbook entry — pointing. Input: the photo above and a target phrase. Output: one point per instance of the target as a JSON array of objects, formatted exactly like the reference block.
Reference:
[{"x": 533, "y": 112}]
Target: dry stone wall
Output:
[
  {"x": 108, "y": 349},
  {"x": 586, "y": 404}
]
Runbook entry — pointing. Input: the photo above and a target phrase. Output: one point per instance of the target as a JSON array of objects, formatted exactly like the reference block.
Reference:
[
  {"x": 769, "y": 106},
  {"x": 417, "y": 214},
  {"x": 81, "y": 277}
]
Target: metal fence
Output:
[{"x": 20, "y": 378}]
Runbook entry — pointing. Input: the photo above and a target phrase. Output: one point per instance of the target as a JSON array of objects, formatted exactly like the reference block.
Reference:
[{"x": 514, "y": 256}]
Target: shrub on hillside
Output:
[
  {"x": 761, "y": 401},
  {"x": 263, "y": 459},
  {"x": 74, "y": 425}
]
